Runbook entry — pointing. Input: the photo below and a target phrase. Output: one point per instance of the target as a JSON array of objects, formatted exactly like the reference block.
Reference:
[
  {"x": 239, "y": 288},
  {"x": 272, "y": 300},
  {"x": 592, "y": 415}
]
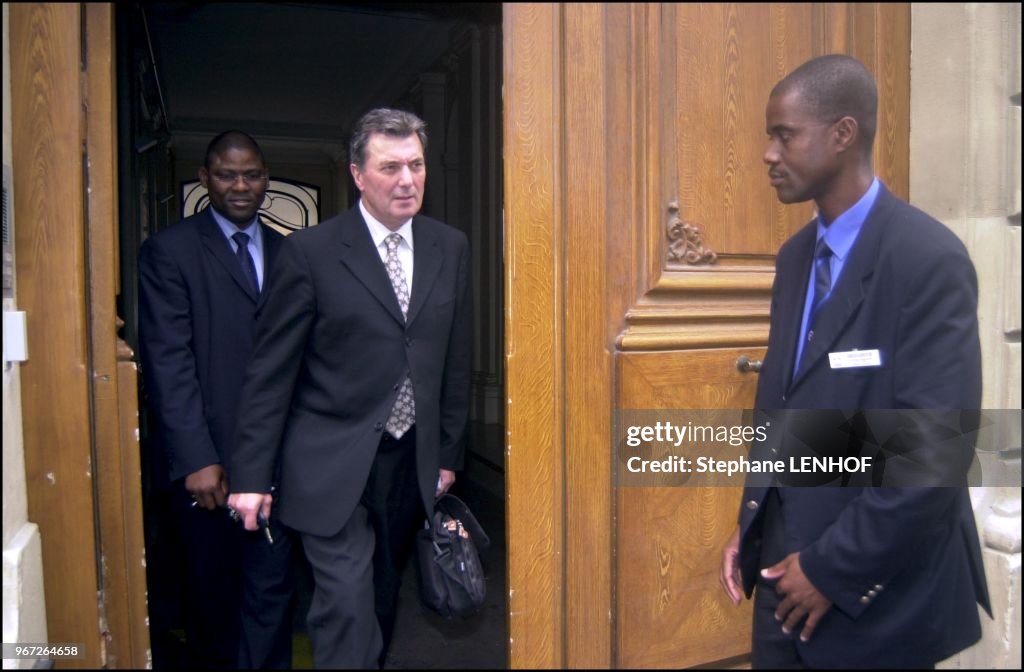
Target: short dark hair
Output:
[
  {"x": 231, "y": 139},
  {"x": 833, "y": 87},
  {"x": 395, "y": 123}
]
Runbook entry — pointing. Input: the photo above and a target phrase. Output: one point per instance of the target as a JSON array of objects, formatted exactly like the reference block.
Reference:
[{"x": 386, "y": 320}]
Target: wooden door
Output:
[
  {"x": 78, "y": 386},
  {"x": 640, "y": 234}
]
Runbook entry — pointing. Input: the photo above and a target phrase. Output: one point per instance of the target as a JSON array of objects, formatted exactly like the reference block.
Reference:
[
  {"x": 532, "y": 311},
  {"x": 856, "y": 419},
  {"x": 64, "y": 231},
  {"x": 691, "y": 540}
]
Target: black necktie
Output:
[{"x": 245, "y": 259}]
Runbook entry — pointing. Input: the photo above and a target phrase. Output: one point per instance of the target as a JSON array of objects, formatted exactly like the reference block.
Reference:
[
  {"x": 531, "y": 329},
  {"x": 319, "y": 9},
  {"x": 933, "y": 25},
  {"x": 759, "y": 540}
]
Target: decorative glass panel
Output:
[{"x": 288, "y": 206}]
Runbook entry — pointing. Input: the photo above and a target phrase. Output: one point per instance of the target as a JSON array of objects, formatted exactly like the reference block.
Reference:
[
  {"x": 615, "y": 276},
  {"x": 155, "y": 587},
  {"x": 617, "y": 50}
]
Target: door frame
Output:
[{"x": 79, "y": 405}]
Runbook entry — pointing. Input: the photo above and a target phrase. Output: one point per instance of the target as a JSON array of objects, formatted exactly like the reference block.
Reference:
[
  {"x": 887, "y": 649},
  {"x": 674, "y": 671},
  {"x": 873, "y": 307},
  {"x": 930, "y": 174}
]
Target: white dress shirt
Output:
[{"x": 379, "y": 232}]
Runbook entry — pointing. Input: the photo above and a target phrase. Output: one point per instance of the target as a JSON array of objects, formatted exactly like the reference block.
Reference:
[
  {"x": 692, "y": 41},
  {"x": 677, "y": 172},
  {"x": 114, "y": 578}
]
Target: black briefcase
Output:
[{"x": 452, "y": 580}]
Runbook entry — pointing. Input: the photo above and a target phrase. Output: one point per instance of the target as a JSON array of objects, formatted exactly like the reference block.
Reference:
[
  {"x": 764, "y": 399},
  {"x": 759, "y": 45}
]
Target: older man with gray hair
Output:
[{"x": 359, "y": 384}]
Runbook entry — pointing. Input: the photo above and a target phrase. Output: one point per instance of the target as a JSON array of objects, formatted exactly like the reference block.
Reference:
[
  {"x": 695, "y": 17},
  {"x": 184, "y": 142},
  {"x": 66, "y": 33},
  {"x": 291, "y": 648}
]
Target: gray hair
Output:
[
  {"x": 833, "y": 87},
  {"x": 394, "y": 123}
]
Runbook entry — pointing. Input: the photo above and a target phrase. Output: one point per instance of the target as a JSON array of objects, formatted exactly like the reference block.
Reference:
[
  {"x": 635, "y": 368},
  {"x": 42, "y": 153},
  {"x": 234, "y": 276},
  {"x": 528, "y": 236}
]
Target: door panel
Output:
[
  {"x": 718, "y": 64},
  {"x": 671, "y": 609}
]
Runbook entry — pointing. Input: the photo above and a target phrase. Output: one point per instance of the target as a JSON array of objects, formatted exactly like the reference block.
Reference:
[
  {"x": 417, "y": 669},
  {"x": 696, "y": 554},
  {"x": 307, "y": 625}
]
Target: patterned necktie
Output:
[
  {"x": 245, "y": 259},
  {"x": 403, "y": 413}
]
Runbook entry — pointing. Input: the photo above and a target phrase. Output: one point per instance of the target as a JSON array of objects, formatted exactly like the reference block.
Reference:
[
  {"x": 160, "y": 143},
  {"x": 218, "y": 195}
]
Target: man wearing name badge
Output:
[
  {"x": 360, "y": 381},
  {"x": 199, "y": 286},
  {"x": 873, "y": 307}
]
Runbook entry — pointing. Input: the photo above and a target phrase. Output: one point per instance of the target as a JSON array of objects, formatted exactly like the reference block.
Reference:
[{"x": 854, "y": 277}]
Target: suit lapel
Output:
[
  {"x": 426, "y": 266},
  {"x": 837, "y": 312},
  {"x": 271, "y": 245},
  {"x": 218, "y": 246},
  {"x": 363, "y": 260}
]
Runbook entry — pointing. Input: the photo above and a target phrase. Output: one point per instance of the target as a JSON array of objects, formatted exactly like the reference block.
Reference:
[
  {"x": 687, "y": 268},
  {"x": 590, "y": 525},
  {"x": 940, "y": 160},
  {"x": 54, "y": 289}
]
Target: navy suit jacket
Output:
[
  {"x": 332, "y": 351},
  {"x": 196, "y": 327},
  {"x": 902, "y": 566}
]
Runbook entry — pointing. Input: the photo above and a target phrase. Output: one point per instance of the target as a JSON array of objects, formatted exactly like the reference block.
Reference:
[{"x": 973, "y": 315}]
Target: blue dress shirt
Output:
[{"x": 840, "y": 236}]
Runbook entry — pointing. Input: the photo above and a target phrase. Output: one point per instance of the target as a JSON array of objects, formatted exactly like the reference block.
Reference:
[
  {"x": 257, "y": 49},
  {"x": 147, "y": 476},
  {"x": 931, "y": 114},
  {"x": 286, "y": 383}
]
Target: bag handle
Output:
[{"x": 456, "y": 508}]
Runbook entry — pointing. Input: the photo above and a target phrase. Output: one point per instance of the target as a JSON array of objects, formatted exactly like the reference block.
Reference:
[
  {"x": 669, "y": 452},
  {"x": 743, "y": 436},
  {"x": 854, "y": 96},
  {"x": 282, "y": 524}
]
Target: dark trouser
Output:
[
  {"x": 357, "y": 571},
  {"x": 238, "y": 590},
  {"x": 342, "y": 626},
  {"x": 268, "y": 589},
  {"x": 392, "y": 497},
  {"x": 772, "y": 648}
]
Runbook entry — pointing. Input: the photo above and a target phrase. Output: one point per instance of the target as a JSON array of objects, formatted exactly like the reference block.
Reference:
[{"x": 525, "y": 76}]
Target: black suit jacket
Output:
[
  {"x": 196, "y": 328},
  {"x": 901, "y": 565},
  {"x": 332, "y": 350}
]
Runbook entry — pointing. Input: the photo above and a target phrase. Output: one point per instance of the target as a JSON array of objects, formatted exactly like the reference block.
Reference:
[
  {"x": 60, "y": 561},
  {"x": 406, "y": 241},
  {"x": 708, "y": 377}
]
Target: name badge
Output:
[{"x": 855, "y": 359}]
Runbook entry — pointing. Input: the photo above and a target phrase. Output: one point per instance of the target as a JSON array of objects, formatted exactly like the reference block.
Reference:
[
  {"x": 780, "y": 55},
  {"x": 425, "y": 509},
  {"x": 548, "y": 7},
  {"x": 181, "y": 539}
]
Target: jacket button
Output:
[
  {"x": 878, "y": 587},
  {"x": 864, "y": 599},
  {"x": 872, "y": 593},
  {"x": 379, "y": 426},
  {"x": 408, "y": 341},
  {"x": 752, "y": 505}
]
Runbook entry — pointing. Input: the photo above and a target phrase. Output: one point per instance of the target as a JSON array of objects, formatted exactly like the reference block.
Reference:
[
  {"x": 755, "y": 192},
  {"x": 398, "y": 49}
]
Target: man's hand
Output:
[
  {"x": 208, "y": 486},
  {"x": 445, "y": 480},
  {"x": 730, "y": 573},
  {"x": 249, "y": 505},
  {"x": 801, "y": 597}
]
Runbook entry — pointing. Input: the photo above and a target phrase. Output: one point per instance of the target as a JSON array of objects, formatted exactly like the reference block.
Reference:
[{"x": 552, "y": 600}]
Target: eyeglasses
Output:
[{"x": 229, "y": 179}]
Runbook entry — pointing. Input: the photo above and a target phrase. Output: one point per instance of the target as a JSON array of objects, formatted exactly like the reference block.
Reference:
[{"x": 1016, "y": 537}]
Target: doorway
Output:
[{"x": 297, "y": 76}]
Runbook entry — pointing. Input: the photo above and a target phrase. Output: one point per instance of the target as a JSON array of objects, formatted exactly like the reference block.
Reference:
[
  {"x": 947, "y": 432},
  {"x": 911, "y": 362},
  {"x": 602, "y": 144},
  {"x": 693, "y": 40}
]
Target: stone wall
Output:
[{"x": 965, "y": 170}]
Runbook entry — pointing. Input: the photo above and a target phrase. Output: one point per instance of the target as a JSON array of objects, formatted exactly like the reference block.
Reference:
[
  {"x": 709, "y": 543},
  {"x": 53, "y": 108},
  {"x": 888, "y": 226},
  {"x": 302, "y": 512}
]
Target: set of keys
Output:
[{"x": 261, "y": 520}]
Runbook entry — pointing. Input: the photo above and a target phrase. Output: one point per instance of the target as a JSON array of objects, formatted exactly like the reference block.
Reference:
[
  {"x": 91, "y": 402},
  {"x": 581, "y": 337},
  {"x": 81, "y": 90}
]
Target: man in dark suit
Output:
[
  {"x": 199, "y": 285},
  {"x": 360, "y": 382},
  {"x": 873, "y": 307}
]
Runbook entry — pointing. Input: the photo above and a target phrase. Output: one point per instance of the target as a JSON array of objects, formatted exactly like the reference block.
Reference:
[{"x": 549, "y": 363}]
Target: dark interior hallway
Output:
[{"x": 300, "y": 75}]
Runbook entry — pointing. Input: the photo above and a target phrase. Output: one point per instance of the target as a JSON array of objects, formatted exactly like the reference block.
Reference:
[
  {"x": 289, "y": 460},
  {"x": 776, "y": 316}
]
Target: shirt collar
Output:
[
  {"x": 378, "y": 232},
  {"x": 842, "y": 233},
  {"x": 229, "y": 228}
]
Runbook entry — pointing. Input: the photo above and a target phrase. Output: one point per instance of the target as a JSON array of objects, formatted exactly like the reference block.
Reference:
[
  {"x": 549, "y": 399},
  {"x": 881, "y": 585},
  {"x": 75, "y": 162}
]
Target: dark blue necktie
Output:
[
  {"x": 245, "y": 259},
  {"x": 822, "y": 278},
  {"x": 822, "y": 284}
]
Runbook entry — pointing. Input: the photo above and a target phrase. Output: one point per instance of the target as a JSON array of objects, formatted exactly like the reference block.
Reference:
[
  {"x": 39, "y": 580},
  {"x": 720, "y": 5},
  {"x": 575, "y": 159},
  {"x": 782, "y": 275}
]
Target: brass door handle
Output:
[{"x": 745, "y": 364}]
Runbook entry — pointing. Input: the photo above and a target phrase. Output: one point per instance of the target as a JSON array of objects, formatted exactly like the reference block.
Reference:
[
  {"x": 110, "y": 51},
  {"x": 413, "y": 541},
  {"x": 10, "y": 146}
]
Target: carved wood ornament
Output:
[{"x": 685, "y": 244}]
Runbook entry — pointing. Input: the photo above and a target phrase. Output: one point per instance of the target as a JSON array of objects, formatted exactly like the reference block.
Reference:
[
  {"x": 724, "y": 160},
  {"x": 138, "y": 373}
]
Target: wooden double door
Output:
[{"x": 640, "y": 234}]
